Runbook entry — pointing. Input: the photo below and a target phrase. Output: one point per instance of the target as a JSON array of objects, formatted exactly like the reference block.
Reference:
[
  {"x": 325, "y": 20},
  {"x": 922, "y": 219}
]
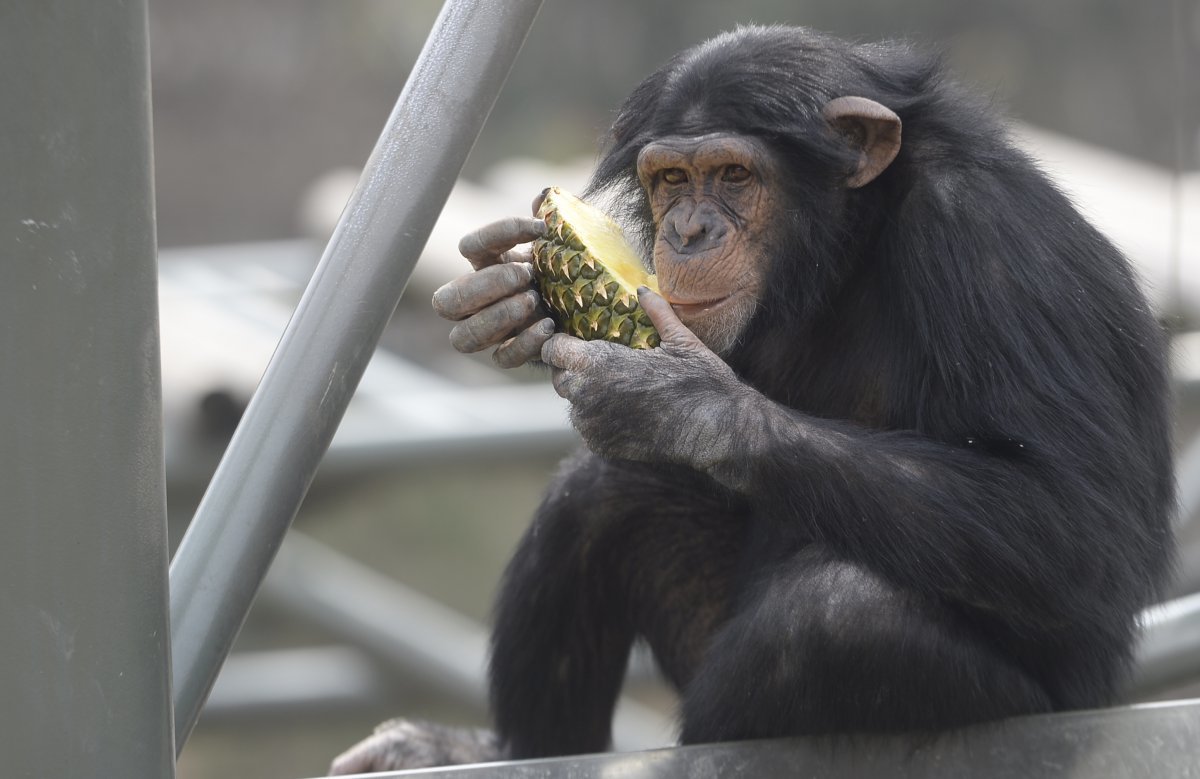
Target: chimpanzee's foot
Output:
[{"x": 399, "y": 743}]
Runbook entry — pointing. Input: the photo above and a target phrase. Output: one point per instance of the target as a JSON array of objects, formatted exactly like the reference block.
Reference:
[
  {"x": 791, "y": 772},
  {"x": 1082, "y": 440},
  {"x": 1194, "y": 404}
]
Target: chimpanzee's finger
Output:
[
  {"x": 518, "y": 254},
  {"x": 567, "y": 352},
  {"x": 476, "y": 291},
  {"x": 361, "y": 758},
  {"x": 672, "y": 331},
  {"x": 497, "y": 322},
  {"x": 488, "y": 244},
  {"x": 562, "y": 381},
  {"x": 525, "y": 346},
  {"x": 568, "y": 384}
]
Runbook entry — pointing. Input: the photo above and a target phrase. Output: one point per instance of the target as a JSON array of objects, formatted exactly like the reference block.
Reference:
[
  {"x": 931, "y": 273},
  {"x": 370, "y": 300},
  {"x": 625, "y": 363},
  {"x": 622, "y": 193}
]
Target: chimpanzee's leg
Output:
[
  {"x": 614, "y": 550},
  {"x": 820, "y": 646}
]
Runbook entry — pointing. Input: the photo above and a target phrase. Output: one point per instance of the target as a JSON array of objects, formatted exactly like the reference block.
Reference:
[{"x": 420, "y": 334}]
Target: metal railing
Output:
[{"x": 291, "y": 419}]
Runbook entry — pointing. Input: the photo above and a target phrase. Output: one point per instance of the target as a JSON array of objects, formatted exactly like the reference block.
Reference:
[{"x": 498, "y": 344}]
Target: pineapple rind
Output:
[{"x": 588, "y": 274}]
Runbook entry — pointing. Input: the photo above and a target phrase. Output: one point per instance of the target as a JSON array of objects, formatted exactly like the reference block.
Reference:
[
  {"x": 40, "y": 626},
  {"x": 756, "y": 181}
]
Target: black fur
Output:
[{"x": 958, "y": 501}]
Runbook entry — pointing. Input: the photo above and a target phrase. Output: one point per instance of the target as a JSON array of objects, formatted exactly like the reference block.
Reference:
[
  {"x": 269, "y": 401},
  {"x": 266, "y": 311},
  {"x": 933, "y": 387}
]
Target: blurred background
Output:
[{"x": 263, "y": 113}]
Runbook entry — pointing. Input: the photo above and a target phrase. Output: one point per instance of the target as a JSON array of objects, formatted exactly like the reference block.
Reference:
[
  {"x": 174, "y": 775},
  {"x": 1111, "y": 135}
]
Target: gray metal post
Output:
[
  {"x": 270, "y": 462},
  {"x": 84, "y": 659},
  {"x": 1168, "y": 656}
]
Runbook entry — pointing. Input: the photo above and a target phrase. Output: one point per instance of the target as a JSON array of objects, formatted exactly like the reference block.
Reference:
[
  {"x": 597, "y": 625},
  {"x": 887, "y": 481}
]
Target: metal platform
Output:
[{"x": 1158, "y": 741}]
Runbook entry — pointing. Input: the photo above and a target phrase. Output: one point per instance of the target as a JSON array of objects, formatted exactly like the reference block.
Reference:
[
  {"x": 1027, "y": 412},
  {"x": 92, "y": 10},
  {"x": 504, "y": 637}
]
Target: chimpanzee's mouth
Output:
[{"x": 691, "y": 309}]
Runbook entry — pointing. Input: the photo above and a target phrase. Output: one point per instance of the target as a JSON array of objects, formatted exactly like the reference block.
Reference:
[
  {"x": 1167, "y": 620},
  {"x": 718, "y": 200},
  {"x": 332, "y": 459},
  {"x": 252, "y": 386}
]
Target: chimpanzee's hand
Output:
[
  {"x": 677, "y": 403},
  {"x": 497, "y": 304}
]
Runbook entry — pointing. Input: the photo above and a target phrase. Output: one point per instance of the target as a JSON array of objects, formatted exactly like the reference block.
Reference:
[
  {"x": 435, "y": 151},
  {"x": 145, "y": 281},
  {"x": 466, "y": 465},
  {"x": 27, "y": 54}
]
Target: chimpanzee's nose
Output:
[{"x": 693, "y": 230}]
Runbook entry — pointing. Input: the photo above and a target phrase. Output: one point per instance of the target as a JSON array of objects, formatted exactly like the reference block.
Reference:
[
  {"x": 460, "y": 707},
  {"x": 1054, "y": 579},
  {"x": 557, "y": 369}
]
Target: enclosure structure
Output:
[{"x": 87, "y": 661}]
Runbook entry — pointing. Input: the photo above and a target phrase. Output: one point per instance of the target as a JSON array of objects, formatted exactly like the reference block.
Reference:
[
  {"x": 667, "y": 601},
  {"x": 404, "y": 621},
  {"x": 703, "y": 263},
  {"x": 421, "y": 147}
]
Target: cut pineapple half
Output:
[{"x": 588, "y": 274}]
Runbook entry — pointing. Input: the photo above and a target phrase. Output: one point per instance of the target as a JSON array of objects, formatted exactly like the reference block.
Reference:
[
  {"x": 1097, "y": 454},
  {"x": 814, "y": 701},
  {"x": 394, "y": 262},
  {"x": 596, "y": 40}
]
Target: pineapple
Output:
[{"x": 588, "y": 274}]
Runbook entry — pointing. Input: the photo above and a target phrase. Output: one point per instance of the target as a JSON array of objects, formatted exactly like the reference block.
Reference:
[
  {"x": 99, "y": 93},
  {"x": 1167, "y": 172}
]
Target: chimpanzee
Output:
[{"x": 901, "y": 462}]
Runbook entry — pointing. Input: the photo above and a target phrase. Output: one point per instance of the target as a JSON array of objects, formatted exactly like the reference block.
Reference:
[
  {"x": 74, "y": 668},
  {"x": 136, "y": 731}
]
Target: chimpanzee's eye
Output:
[
  {"x": 674, "y": 176},
  {"x": 735, "y": 174}
]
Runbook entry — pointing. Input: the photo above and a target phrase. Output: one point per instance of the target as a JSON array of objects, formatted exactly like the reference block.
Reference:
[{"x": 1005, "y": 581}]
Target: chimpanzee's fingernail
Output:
[{"x": 642, "y": 290}]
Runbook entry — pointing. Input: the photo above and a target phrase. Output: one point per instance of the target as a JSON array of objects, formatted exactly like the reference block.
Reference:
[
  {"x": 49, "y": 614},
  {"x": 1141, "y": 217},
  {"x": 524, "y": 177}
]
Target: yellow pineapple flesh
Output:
[{"x": 588, "y": 274}]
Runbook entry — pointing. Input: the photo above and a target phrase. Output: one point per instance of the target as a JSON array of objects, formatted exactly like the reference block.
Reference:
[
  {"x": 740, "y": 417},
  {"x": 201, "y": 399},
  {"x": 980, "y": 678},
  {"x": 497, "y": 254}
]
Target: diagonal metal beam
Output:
[
  {"x": 287, "y": 427},
  {"x": 408, "y": 630}
]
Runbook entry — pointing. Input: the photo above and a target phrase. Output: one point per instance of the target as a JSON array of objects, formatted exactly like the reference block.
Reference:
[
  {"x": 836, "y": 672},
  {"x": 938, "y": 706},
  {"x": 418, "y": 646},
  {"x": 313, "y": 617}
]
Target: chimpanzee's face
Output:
[{"x": 713, "y": 202}]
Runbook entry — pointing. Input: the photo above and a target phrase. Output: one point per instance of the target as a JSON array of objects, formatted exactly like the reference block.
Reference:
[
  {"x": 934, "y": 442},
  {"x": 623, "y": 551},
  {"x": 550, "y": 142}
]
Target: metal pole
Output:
[
  {"x": 1168, "y": 656},
  {"x": 84, "y": 659},
  {"x": 270, "y": 462},
  {"x": 412, "y": 632}
]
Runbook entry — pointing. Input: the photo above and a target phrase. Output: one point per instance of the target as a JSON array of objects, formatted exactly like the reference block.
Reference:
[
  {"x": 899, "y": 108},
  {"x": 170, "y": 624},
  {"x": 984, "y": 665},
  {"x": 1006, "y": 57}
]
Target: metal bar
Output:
[
  {"x": 411, "y": 631},
  {"x": 324, "y": 681},
  {"x": 1187, "y": 476},
  {"x": 270, "y": 462},
  {"x": 1131, "y": 743},
  {"x": 1187, "y": 498},
  {"x": 84, "y": 659},
  {"x": 1169, "y": 654}
]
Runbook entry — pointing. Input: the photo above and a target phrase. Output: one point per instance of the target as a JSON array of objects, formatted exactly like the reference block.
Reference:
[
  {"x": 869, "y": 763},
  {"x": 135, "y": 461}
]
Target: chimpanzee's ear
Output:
[{"x": 871, "y": 128}]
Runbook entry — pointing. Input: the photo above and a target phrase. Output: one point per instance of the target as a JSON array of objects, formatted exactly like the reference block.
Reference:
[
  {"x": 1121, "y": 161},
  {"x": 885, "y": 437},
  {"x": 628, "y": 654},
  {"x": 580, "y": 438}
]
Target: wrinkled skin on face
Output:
[
  {"x": 717, "y": 208},
  {"x": 712, "y": 198}
]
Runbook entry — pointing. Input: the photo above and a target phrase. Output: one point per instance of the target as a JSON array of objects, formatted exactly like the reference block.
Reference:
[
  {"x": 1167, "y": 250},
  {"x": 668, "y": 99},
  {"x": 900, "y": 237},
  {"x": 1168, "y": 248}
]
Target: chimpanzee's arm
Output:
[
  {"x": 1009, "y": 534},
  {"x": 1031, "y": 538}
]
